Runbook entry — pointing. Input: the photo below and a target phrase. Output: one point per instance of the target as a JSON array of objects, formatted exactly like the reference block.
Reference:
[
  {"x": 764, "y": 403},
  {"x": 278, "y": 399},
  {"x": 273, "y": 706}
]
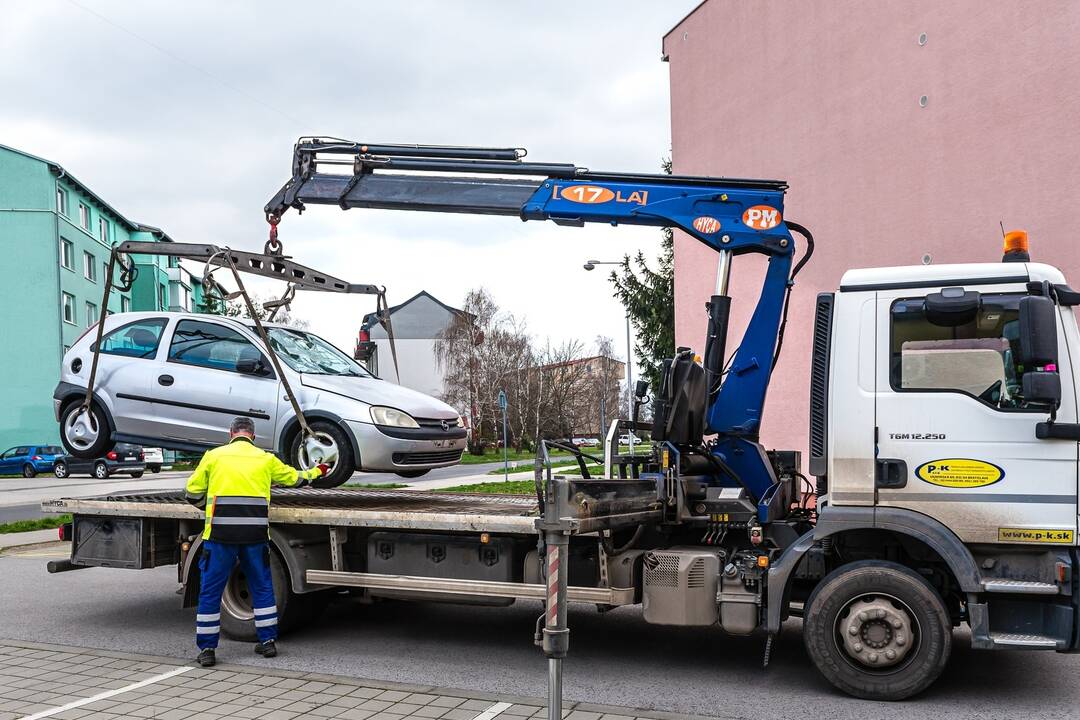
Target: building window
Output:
[
  {"x": 67, "y": 252},
  {"x": 61, "y": 201},
  {"x": 91, "y": 314},
  {"x": 84, "y": 217},
  {"x": 89, "y": 266},
  {"x": 163, "y": 297},
  {"x": 103, "y": 230},
  {"x": 69, "y": 308},
  {"x": 125, "y": 304}
]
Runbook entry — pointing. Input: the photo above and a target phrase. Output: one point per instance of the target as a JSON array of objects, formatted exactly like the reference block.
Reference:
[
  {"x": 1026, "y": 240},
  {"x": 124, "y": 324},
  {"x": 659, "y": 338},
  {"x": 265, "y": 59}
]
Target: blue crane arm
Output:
[{"x": 731, "y": 215}]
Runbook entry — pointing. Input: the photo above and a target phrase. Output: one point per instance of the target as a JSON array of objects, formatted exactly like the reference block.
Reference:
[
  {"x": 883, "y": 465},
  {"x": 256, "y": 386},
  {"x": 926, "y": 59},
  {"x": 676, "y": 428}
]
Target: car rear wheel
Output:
[
  {"x": 28, "y": 471},
  {"x": 60, "y": 470},
  {"x": 85, "y": 433},
  {"x": 154, "y": 468},
  {"x": 331, "y": 446},
  {"x": 101, "y": 471},
  {"x": 137, "y": 474}
]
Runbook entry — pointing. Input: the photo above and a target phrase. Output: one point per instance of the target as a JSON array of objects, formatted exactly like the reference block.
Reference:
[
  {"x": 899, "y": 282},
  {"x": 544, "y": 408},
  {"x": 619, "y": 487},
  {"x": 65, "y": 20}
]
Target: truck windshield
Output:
[{"x": 308, "y": 353}]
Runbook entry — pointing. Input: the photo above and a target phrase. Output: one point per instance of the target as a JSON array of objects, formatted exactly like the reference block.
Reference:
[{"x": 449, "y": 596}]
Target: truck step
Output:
[
  {"x": 1017, "y": 640},
  {"x": 1021, "y": 587}
]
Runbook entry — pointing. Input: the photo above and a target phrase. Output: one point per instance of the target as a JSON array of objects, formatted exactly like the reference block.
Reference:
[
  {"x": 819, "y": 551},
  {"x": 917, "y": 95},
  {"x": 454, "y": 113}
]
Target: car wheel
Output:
[
  {"x": 101, "y": 470},
  {"x": 330, "y": 445},
  {"x": 60, "y": 470},
  {"x": 409, "y": 474},
  {"x": 28, "y": 471},
  {"x": 877, "y": 630},
  {"x": 137, "y": 475},
  {"x": 154, "y": 468},
  {"x": 85, "y": 434},
  {"x": 293, "y": 610}
]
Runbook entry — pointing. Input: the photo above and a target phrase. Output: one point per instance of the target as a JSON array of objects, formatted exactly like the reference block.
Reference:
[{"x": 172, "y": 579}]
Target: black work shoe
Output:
[
  {"x": 267, "y": 649},
  {"x": 206, "y": 658}
]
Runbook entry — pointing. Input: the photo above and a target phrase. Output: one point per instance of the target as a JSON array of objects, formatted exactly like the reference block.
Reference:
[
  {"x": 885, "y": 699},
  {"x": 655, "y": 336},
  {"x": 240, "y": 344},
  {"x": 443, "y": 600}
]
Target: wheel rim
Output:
[
  {"x": 100, "y": 472},
  {"x": 877, "y": 633},
  {"x": 60, "y": 471},
  {"x": 320, "y": 448},
  {"x": 28, "y": 471},
  {"x": 236, "y": 598},
  {"x": 81, "y": 429}
]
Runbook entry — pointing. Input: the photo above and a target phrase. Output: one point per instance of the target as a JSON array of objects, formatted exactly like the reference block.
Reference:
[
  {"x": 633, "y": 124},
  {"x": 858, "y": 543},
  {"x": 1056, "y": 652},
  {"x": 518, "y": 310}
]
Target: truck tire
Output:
[
  {"x": 88, "y": 435},
  {"x": 331, "y": 434},
  {"x": 877, "y": 630},
  {"x": 293, "y": 610}
]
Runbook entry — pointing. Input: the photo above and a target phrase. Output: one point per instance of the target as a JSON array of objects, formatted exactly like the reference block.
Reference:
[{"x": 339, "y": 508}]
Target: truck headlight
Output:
[{"x": 392, "y": 417}]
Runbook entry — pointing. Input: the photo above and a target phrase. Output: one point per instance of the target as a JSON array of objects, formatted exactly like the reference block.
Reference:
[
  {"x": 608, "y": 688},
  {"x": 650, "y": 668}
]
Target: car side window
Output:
[
  {"x": 10, "y": 452},
  {"x": 20, "y": 451},
  {"x": 210, "y": 345},
  {"x": 139, "y": 339},
  {"x": 977, "y": 358}
]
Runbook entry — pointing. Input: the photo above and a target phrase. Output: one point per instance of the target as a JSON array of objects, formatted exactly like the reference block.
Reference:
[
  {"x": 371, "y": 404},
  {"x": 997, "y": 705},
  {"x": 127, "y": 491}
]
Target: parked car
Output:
[
  {"x": 28, "y": 460},
  {"x": 589, "y": 442},
  {"x": 625, "y": 439},
  {"x": 155, "y": 458},
  {"x": 123, "y": 459},
  {"x": 176, "y": 380}
]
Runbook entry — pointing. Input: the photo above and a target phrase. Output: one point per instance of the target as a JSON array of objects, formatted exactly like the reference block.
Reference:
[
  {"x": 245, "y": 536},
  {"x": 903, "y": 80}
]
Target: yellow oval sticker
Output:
[{"x": 959, "y": 473}]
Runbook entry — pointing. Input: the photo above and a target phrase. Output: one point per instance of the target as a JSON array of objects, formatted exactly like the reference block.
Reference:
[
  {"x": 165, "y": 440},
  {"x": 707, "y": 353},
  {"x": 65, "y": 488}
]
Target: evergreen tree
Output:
[{"x": 649, "y": 298}]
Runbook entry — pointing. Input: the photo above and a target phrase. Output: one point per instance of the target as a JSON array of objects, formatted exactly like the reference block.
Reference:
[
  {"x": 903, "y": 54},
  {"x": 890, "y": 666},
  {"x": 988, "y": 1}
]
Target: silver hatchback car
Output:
[{"x": 176, "y": 380}]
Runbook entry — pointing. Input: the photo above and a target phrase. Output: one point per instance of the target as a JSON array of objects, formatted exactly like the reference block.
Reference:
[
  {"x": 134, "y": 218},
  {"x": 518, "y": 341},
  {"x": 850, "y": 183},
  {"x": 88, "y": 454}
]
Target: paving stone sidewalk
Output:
[{"x": 39, "y": 681}]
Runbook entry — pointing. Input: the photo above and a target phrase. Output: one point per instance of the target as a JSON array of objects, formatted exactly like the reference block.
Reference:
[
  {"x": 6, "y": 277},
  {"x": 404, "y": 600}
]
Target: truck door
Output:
[
  {"x": 955, "y": 437},
  {"x": 212, "y": 374}
]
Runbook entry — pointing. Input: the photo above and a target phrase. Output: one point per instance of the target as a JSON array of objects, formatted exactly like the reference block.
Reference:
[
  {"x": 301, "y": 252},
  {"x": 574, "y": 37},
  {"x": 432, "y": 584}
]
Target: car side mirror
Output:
[
  {"x": 1039, "y": 350},
  {"x": 251, "y": 366}
]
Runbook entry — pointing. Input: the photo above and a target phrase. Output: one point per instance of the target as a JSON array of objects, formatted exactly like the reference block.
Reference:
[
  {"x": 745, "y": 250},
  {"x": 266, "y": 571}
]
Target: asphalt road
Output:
[
  {"x": 20, "y": 498},
  {"x": 614, "y": 658}
]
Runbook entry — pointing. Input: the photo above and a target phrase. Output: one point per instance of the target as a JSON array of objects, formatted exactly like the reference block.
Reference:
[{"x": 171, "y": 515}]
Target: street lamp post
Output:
[{"x": 591, "y": 265}]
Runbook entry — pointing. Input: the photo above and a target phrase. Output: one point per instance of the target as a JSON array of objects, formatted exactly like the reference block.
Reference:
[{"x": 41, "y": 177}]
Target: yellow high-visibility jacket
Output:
[{"x": 233, "y": 483}]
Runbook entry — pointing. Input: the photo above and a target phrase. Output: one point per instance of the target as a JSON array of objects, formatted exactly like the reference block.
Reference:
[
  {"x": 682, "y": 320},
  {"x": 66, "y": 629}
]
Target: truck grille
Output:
[
  {"x": 426, "y": 458},
  {"x": 819, "y": 384}
]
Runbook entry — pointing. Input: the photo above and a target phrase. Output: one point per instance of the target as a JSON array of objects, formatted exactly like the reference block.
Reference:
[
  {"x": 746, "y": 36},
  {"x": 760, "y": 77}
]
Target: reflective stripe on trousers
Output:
[{"x": 216, "y": 565}]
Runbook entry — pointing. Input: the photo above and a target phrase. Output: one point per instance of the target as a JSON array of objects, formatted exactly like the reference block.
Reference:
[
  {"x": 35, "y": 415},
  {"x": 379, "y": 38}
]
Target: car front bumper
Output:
[{"x": 422, "y": 449}]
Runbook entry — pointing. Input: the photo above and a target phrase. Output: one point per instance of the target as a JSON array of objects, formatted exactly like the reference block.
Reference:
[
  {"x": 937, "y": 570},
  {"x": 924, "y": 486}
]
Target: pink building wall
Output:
[{"x": 826, "y": 95}]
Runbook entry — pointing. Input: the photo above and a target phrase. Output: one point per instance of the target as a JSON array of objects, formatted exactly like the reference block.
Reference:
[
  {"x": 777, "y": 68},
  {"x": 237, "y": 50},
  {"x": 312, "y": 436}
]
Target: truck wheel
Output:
[
  {"x": 237, "y": 616},
  {"x": 85, "y": 434},
  {"x": 331, "y": 446},
  {"x": 877, "y": 630}
]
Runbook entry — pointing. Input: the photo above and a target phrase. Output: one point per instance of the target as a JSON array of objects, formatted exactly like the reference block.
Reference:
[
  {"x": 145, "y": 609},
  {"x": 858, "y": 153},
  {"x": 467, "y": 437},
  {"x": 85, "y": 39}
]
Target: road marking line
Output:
[
  {"x": 492, "y": 711},
  {"x": 110, "y": 693}
]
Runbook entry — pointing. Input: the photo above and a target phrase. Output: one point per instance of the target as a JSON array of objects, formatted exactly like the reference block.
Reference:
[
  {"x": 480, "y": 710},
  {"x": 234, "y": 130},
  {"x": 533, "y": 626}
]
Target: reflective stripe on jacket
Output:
[{"x": 233, "y": 483}]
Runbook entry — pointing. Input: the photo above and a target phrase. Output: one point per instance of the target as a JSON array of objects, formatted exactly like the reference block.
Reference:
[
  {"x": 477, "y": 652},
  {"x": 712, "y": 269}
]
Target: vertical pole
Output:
[
  {"x": 603, "y": 419},
  {"x": 556, "y": 634},
  {"x": 629, "y": 380},
  {"x": 506, "y": 466}
]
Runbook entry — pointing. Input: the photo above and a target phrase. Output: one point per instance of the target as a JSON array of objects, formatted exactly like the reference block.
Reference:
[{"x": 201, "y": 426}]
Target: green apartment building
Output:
[{"x": 56, "y": 235}]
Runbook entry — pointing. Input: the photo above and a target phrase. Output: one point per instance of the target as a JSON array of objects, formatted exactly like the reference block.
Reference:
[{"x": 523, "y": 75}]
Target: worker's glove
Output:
[{"x": 324, "y": 469}]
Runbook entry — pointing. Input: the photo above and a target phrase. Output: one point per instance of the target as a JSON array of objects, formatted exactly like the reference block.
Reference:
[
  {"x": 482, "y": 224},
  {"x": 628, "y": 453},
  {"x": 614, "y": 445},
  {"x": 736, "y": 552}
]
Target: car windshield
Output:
[{"x": 308, "y": 353}]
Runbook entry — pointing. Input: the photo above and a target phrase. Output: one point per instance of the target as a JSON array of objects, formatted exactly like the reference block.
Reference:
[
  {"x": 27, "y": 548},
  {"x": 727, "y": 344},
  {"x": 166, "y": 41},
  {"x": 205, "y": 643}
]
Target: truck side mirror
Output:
[{"x": 1039, "y": 350}]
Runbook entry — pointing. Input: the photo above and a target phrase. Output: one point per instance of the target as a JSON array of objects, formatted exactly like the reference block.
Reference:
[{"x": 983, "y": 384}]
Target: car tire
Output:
[
  {"x": 877, "y": 630},
  {"x": 90, "y": 440},
  {"x": 346, "y": 464},
  {"x": 60, "y": 470},
  {"x": 28, "y": 471},
  {"x": 101, "y": 471},
  {"x": 137, "y": 475},
  {"x": 154, "y": 468},
  {"x": 293, "y": 610},
  {"x": 410, "y": 474}
]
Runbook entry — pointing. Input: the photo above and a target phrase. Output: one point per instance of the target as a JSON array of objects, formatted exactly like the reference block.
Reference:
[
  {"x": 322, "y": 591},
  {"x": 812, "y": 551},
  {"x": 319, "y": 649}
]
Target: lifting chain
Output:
[{"x": 273, "y": 245}]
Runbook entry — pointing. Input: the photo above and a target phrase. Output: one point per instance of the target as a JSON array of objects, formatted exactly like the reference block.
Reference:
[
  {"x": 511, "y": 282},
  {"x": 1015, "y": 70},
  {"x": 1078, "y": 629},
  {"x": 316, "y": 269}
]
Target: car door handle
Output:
[
  {"x": 890, "y": 473},
  {"x": 165, "y": 380}
]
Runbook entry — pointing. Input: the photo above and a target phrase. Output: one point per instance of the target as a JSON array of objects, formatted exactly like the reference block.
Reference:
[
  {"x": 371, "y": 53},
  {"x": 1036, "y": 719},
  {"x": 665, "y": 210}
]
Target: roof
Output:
[
  {"x": 371, "y": 319},
  {"x": 62, "y": 172},
  {"x": 912, "y": 276},
  {"x": 676, "y": 27}
]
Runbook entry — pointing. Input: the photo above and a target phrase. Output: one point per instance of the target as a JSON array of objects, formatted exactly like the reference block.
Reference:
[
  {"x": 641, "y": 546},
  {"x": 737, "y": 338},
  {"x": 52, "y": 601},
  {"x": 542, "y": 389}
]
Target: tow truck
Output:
[{"x": 943, "y": 441}]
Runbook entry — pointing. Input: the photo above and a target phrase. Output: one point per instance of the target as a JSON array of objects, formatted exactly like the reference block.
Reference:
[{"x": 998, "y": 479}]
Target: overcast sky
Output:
[{"x": 183, "y": 116}]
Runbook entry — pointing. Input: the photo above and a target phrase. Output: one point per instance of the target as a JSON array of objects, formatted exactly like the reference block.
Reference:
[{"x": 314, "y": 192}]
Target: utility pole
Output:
[{"x": 502, "y": 406}]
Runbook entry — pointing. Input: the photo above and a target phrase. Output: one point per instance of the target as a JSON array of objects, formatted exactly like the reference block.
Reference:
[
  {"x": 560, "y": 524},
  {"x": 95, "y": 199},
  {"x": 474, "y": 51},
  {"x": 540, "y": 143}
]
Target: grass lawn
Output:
[
  {"x": 36, "y": 524},
  {"x": 511, "y": 487},
  {"x": 511, "y": 456}
]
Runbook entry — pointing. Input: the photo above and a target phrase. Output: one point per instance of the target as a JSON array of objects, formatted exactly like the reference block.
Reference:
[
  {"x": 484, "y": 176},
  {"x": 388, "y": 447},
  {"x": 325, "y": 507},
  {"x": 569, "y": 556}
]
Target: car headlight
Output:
[
  {"x": 460, "y": 421},
  {"x": 392, "y": 417}
]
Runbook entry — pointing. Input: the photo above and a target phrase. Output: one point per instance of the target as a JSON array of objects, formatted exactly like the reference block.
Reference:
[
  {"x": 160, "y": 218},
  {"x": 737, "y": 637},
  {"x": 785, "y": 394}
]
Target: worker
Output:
[{"x": 232, "y": 483}]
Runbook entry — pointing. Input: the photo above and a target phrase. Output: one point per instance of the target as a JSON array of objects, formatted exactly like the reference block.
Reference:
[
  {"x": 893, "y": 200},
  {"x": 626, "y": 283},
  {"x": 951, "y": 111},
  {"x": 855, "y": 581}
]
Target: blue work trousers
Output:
[{"x": 216, "y": 565}]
